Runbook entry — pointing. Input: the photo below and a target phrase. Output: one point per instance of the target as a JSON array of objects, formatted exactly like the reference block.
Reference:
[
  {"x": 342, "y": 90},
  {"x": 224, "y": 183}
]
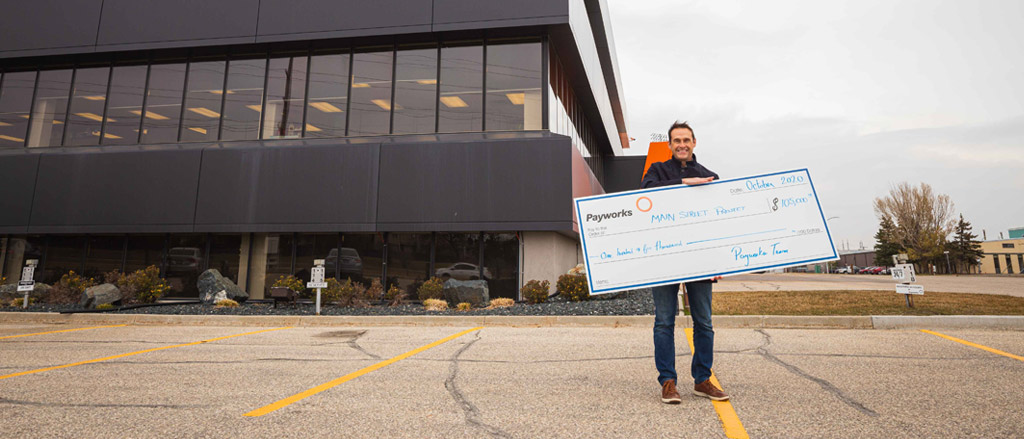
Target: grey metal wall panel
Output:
[
  {"x": 523, "y": 12},
  {"x": 623, "y": 173},
  {"x": 116, "y": 190},
  {"x": 297, "y": 188},
  {"x": 128, "y": 22},
  {"x": 473, "y": 183},
  {"x": 341, "y": 18},
  {"x": 48, "y": 24},
  {"x": 17, "y": 185}
]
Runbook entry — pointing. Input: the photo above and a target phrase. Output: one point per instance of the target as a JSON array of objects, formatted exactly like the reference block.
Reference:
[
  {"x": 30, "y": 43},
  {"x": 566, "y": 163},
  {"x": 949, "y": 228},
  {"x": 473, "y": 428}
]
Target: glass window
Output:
[
  {"x": 185, "y": 261},
  {"x": 19, "y": 249},
  {"x": 371, "y": 93},
  {"x": 203, "y": 101},
  {"x": 457, "y": 256},
  {"x": 286, "y": 92},
  {"x": 103, "y": 255},
  {"x": 226, "y": 255},
  {"x": 163, "y": 103},
  {"x": 361, "y": 257},
  {"x": 1009, "y": 265},
  {"x": 513, "y": 86},
  {"x": 995, "y": 260},
  {"x": 309, "y": 247},
  {"x": 462, "y": 76},
  {"x": 415, "y": 90},
  {"x": 143, "y": 251},
  {"x": 50, "y": 108},
  {"x": 63, "y": 254},
  {"x": 243, "y": 103},
  {"x": 124, "y": 105},
  {"x": 278, "y": 259},
  {"x": 408, "y": 261},
  {"x": 501, "y": 264},
  {"x": 328, "y": 95},
  {"x": 88, "y": 99},
  {"x": 1020, "y": 264},
  {"x": 15, "y": 105}
]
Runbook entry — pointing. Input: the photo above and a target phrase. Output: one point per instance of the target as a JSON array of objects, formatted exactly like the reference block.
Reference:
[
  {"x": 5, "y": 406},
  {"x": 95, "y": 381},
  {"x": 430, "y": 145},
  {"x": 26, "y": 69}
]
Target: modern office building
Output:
[
  {"x": 1004, "y": 256},
  {"x": 399, "y": 139}
]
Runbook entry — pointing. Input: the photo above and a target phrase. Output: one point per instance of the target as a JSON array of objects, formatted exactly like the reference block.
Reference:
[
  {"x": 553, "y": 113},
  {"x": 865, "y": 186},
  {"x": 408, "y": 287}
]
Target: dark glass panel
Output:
[
  {"x": 361, "y": 257},
  {"x": 514, "y": 86},
  {"x": 143, "y": 251},
  {"x": 50, "y": 108},
  {"x": 457, "y": 256},
  {"x": 408, "y": 261},
  {"x": 286, "y": 92},
  {"x": 415, "y": 90},
  {"x": 103, "y": 255},
  {"x": 371, "y": 93},
  {"x": 310, "y": 247},
  {"x": 15, "y": 105},
  {"x": 185, "y": 261},
  {"x": 462, "y": 73},
  {"x": 278, "y": 259},
  {"x": 328, "y": 95},
  {"x": 501, "y": 262},
  {"x": 124, "y": 106},
  {"x": 63, "y": 254},
  {"x": 244, "y": 101},
  {"x": 163, "y": 103},
  {"x": 225, "y": 255},
  {"x": 19, "y": 249},
  {"x": 202, "y": 102},
  {"x": 88, "y": 99}
]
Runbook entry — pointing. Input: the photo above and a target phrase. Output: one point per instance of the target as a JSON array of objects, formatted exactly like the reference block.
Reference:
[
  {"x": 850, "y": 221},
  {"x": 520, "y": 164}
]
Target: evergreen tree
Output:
[
  {"x": 965, "y": 249},
  {"x": 885, "y": 245}
]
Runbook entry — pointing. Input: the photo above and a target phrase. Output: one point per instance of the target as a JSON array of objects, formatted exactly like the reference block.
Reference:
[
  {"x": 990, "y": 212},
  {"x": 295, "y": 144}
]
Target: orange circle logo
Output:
[{"x": 649, "y": 203}]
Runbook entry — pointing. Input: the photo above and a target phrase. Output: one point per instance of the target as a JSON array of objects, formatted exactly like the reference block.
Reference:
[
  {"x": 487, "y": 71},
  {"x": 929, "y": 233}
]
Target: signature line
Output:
[{"x": 735, "y": 236}]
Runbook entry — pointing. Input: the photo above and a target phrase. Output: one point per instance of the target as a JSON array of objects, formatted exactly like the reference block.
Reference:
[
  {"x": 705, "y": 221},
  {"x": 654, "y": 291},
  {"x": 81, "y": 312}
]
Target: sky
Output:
[{"x": 864, "y": 94}]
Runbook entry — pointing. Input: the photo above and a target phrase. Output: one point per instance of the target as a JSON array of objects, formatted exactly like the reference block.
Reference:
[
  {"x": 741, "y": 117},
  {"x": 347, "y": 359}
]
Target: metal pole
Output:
[{"x": 317, "y": 301}]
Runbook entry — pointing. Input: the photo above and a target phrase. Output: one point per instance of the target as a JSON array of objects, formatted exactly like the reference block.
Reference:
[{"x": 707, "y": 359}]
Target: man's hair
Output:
[{"x": 682, "y": 124}]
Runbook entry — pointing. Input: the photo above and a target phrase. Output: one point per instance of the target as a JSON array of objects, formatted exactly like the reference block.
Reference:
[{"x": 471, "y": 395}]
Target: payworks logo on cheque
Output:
[{"x": 610, "y": 215}]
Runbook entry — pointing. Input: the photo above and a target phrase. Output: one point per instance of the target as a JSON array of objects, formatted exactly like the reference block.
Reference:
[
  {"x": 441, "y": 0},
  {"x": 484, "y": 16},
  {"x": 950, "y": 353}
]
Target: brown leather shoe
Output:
[
  {"x": 669, "y": 395},
  {"x": 708, "y": 390}
]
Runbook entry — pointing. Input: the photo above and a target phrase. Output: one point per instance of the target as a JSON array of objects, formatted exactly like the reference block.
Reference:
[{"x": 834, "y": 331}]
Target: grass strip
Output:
[{"x": 856, "y": 303}]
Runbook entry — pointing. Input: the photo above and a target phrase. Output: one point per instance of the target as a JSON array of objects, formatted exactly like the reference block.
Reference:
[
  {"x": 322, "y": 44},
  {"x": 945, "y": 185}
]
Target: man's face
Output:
[{"x": 682, "y": 144}]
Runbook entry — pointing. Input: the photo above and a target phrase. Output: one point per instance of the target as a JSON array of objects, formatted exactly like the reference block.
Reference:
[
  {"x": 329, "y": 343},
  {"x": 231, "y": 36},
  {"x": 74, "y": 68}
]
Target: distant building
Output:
[
  {"x": 859, "y": 258},
  {"x": 1017, "y": 233},
  {"x": 1004, "y": 256}
]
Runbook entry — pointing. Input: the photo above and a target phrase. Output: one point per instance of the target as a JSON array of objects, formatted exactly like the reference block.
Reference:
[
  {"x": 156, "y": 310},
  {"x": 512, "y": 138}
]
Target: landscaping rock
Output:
[
  {"x": 214, "y": 287},
  {"x": 99, "y": 295},
  {"x": 10, "y": 291},
  {"x": 473, "y": 291}
]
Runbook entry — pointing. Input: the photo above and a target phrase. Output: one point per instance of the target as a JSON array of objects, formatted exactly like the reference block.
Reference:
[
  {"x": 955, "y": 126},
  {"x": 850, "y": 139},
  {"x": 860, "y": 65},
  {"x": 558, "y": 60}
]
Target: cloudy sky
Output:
[{"x": 865, "y": 94}]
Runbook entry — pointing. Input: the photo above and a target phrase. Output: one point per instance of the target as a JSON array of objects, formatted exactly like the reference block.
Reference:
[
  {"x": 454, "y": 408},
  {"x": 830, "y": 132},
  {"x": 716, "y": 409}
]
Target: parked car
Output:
[
  {"x": 865, "y": 270},
  {"x": 350, "y": 264},
  {"x": 877, "y": 270},
  {"x": 461, "y": 271},
  {"x": 181, "y": 259},
  {"x": 843, "y": 270}
]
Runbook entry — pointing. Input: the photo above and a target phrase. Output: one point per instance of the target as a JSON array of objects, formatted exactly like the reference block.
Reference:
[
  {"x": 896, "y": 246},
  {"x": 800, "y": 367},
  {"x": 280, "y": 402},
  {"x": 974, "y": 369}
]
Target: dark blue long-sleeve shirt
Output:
[{"x": 671, "y": 171}]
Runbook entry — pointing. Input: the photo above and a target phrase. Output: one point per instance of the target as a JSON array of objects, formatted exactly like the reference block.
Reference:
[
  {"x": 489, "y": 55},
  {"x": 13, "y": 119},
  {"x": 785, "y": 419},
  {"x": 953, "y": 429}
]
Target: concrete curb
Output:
[{"x": 806, "y": 322}]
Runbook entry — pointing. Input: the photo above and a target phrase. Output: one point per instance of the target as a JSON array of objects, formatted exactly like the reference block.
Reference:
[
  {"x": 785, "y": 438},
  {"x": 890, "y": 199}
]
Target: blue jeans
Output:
[{"x": 666, "y": 305}]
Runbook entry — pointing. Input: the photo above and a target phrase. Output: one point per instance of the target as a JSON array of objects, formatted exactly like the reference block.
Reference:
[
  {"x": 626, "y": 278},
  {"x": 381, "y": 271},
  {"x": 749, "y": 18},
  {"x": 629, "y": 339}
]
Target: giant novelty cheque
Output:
[{"x": 681, "y": 233}]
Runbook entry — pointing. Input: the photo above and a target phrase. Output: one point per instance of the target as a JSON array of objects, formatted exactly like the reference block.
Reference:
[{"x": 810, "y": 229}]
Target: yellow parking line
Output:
[
  {"x": 730, "y": 420},
  {"x": 29, "y": 372},
  {"x": 974, "y": 345},
  {"x": 62, "y": 330},
  {"x": 325, "y": 386}
]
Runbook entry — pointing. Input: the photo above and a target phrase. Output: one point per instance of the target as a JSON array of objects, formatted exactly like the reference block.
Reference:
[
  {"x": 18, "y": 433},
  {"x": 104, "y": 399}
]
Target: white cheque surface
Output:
[{"x": 683, "y": 233}]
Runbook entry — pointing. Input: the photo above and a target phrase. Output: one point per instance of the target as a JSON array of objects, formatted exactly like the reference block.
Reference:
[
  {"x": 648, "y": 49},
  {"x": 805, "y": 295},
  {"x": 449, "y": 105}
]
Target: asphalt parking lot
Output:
[{"x": 157, "y": 381}]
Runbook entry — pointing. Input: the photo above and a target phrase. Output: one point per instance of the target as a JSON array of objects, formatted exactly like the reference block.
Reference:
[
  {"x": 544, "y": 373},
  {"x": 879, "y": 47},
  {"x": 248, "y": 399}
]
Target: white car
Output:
[{"x": 461, "y": 271}]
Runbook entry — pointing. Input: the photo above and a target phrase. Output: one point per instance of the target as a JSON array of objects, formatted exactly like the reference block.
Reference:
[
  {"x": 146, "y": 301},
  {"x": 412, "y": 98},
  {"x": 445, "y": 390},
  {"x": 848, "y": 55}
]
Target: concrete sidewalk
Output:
[{"x": 826, "y": 322}]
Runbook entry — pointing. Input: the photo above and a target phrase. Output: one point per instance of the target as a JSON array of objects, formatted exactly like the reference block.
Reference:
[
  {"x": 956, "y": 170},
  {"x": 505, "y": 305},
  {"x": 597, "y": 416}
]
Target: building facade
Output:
[
  {"x": 396, "y": 139},
  {"x": 1004, "y": 256}
]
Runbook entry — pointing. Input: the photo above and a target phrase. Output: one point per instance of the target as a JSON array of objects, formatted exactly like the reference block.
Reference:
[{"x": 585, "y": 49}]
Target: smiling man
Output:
[{"x": 683, "y": 168}]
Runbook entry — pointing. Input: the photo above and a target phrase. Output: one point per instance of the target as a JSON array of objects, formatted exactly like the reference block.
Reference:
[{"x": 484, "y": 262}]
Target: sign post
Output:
[
  {"x": 904, "y": 273},
  {"x": 27, "y": 284},
  {"x": 316, "y": 280}
]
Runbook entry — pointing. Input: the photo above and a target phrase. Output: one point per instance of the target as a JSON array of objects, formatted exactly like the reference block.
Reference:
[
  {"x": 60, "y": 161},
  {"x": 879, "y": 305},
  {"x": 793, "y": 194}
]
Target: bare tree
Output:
[{"x": 922, "y": 219}]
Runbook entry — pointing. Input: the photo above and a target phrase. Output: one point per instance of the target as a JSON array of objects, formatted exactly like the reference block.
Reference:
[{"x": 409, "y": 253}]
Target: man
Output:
[{"x": 683, "y": 168}]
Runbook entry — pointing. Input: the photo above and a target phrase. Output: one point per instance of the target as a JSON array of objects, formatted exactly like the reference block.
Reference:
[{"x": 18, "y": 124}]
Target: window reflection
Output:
[
  {"x": 360, "y": 257},
  {"x": 513, "y": 86},
  {"x": 185, "y": 261},
  {"x": 328, "y": 95},
  {"x": 462, "y": 73},
  {"x": 124, "y": 105},
  {"x": 143, "y": 251},
  {"x": 63, "y": 254},
  {"x": 103, "y": 254},
  {"x": 163, "y": 103},
  {"x": 203, "y": 101},
  {"x": 371, "y": 93},
  {"x": 226, "y": 256},
  {"x": 501, "y": 261},
  {"x": 88, "y": 101},
  {"x": 243, "y": 103},
  {"x": 457, "y": 256},
  {"x": 19, "y": 249},
  {"x": 49, "y": 109},
  {"x": 15, "y": 105},
  {"x": 415, "y": 90},
  {"x": 286, "y": 92},
  {"x": 408, "y": 261}
]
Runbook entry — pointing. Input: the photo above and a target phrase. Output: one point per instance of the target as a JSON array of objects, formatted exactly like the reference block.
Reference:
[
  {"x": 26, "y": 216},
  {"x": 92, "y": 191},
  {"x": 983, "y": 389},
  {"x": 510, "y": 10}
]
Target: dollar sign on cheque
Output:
[{"x": 775, "y": 204}]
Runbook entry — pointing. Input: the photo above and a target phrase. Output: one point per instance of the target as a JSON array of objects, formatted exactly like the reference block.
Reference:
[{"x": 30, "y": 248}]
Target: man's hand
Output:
[
  {"x": 717, "y": 278},
  {"x": 697, "y": 180}
]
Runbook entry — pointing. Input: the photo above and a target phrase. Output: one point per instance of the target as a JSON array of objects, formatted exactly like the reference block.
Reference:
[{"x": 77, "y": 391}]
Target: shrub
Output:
[
  {"x": 536, "y": 291},
  {"x": 69, "y": 289},
  {"x": 290, "y": 282},
  {"x": 143, "y": 286},
  {"x": 376, "y": 290},
  {"x": 346, "y": 293},
  {"x": 17, "y": 302},
  {"x": 573, "y": 287},
  {"x": 105, "y": 306},
  {"x": 431, "y": 289},
  {"x": 111, "y": 277},
  {"x": 226, "y": 303},
  {"x": 333, "y": 291},
  {"x": 435, "y": 304},
  {"x": 395, "y": 295},
  {"x": 501, "y": 302},
  {"x": 464, "y": 306}
]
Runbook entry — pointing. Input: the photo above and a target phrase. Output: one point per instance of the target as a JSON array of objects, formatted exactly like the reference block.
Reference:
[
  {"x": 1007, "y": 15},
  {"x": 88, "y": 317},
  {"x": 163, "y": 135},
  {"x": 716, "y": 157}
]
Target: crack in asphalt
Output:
[
  {"x": 827, "y": 386},
  {"x": 581, "y": 360},
  {"x": 352, "y": 342},
  {"x": 51, "y": 404},
  {"x": 469, "y": 410}
]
